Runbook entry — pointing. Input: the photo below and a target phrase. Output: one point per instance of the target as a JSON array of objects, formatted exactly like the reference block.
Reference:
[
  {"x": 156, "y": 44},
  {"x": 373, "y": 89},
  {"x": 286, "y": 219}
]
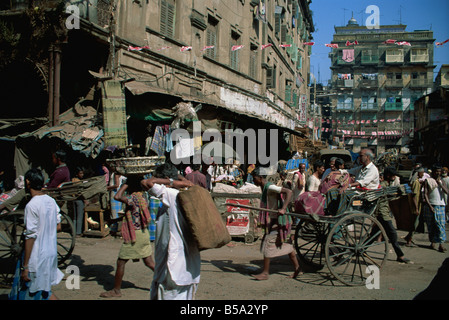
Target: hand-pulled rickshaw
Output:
[
  {"x": 12, "y": 222},
  {"x": 348, "y": 238}
]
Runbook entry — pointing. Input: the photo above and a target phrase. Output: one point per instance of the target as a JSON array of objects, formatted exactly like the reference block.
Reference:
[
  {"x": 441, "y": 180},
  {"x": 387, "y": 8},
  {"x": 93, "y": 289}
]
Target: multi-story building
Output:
[
  {"x": 431, "y": 141},
  {"x": 244, "y": 61},
  {"x": 377, "y": 75}
]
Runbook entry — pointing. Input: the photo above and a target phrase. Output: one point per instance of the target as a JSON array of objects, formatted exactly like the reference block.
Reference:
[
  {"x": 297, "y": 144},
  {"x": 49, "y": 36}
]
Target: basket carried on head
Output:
[{"x": 135, "y": 165}]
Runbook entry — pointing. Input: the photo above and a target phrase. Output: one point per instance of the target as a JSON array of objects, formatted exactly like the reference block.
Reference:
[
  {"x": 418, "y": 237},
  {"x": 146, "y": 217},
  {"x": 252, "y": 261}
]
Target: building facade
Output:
[
  {"x": 377, "y": 75},
  {"x": 244, "y": 62},
  {"x": 244, "y": 57},
  {"x": 431, "y": 138}
]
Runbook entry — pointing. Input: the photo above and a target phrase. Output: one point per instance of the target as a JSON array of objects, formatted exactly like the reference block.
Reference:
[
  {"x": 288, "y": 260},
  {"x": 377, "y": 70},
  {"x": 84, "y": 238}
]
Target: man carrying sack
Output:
[{"x": 177, "y": 257}]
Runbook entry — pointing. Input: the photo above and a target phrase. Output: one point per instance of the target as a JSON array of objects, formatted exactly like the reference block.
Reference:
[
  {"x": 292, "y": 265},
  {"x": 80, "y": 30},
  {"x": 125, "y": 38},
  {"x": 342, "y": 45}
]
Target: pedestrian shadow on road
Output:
[
  {"x": 280, "y": 266},
  {"x": 103, "y": 274}
]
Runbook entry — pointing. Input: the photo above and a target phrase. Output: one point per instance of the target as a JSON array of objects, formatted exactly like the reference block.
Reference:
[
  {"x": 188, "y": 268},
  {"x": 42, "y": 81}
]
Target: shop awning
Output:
[
  {"x": 139, "y": 87},
  {"x": 163, "y": 113}
]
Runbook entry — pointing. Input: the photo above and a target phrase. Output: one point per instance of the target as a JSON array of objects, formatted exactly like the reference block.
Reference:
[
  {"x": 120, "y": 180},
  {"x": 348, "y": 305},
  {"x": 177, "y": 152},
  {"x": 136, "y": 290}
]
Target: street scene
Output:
[
  {"x": 229, "y": 268},
  {"x": 224, "y": 151}
]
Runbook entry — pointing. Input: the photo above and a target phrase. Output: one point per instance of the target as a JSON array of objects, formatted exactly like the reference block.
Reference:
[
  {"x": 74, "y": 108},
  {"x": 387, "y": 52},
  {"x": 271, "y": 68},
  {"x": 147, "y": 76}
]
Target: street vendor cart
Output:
[{"x": 241, "y": 222}]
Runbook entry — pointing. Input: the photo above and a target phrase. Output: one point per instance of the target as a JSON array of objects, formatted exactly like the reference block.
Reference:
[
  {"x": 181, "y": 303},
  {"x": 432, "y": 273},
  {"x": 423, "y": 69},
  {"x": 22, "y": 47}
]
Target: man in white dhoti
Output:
[{"x": 178, "y": 261}]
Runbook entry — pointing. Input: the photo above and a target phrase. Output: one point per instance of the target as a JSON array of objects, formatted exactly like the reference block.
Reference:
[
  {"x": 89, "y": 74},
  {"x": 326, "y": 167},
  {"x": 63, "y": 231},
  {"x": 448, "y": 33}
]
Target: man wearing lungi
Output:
[
  {"x": 277, "y": 226},
  {"x": 434, "y": 208}
]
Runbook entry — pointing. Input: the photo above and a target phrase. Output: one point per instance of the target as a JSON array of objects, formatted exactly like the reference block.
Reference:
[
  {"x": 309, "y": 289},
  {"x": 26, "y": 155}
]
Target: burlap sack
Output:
[{"x": 206, "y": 223}]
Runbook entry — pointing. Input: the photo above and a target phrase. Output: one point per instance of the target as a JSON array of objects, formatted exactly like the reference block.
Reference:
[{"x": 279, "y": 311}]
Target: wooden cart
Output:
[
  {"x": 240, "y": 221},
  {"x": 348, "y": 242},
  {"x": 12, "y": 224}
]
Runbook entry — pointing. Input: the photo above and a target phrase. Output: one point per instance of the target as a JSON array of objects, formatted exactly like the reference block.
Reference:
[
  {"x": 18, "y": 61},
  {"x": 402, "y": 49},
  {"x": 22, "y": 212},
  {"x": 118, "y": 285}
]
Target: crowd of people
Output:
[{"x": 145, "y": 213}]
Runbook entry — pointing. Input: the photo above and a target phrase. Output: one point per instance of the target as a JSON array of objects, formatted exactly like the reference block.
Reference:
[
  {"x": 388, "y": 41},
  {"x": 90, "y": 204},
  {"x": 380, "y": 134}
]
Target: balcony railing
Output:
[
  {"x": 340, "y": 61},
  {"x": 393, "y": 106},
  {"x": 419, "y": 58},
  {"x": 349, "y": 83},
  {"x": 369, "y": 82},
  {"x": 394, "y": 83},
  {"x": 370, "y": 59},
  {"x": 369, "y": 106},
  {"x": 420, "y": 83},
  {"x": 394, "y": 58},
  {"x": 345, "y": 106}
]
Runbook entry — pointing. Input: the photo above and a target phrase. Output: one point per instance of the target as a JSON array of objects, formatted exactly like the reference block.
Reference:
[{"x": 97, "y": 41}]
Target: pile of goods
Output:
[{"x": 135, "y": 165}]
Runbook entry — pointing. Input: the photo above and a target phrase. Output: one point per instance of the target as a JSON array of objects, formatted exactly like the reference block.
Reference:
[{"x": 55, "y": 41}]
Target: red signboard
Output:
[{"x": 245, "y": 202}]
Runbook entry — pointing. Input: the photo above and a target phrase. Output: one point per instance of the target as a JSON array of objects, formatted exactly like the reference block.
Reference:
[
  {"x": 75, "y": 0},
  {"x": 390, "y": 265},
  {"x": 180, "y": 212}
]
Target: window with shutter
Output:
[
  {"x": 284, "y": 33},
  {"x": 234, "y": 57},
  {"x": 288, "y": 92},
  {"x": 294, "y": 52},
  {"x": 277, "y": 25},
  {"x": 167, "y": 21},
  {"x": 253, "y": 61},
  {"x": 271, "y": 77},
  {"x": 212, "y": 38}
]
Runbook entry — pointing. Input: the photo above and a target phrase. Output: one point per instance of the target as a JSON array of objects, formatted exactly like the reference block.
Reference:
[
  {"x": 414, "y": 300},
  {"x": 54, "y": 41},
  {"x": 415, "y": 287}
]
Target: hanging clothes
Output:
[
  {"x": 348, "y": 55},
  {"x": 158, "y": 143},
  {"x": 168, "y": 141}
]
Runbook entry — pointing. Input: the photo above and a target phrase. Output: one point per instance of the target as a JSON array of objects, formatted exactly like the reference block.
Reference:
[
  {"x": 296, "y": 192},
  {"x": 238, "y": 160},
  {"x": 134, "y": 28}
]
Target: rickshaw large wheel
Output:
[
  {"x": 11, "y": 244},
  {"x": 353, "y": 244},
  {"x": 66, "y": 238},
  {"x": 310, "y": 239}
]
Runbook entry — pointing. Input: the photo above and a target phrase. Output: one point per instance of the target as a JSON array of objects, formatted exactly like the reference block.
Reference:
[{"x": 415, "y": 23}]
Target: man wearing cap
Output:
[{"x": 384, "y": 215}]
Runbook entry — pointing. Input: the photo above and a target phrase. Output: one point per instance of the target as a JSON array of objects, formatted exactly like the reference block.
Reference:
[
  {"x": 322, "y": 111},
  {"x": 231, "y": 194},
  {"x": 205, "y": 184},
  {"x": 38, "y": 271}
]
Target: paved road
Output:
[{"x": 225, "y": 275}]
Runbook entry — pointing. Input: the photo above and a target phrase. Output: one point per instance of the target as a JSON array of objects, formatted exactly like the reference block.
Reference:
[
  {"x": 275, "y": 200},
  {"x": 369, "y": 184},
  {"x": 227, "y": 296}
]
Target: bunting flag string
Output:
[
  {"x": 185, "y": 48},
  {"x": 266, "y": 46},
  {"x": 438, "y": 44},
  {"x": 207, "y": 47},
  {"x": 284, "y": 45},
  {"x": 238, "y": 47},
  {"x": 131, "y": 48},
  {"x": 361, "y": 121},
  {"x": 348, "y": 43}
]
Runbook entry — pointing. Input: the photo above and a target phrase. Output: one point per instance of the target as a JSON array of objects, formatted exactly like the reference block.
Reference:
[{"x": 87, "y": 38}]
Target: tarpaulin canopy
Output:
[{"x": 77, "y": 128}]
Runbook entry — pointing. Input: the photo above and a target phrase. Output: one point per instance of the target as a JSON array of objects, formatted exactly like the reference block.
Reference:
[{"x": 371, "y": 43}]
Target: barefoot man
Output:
[{"x": 277, "y": 226}]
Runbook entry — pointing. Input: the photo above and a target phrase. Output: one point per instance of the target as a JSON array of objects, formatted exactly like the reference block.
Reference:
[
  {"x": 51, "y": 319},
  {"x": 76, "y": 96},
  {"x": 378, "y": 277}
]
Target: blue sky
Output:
[{"x": 416, "y": 14}]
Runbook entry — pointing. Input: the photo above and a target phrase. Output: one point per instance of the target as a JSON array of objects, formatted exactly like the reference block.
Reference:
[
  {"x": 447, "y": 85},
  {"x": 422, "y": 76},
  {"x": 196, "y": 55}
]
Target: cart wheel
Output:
[
  {"x": 310, "y": 238},
  {"x": 249, "y": 238},
  {"x": 11, "y": 244},
  {"x": 352, "y": 246},
  {"x": 66, "y": 238}
]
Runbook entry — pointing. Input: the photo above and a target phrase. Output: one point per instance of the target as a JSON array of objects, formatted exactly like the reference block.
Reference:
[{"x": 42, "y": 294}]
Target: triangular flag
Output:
[{"x": 234, "y": 48}]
